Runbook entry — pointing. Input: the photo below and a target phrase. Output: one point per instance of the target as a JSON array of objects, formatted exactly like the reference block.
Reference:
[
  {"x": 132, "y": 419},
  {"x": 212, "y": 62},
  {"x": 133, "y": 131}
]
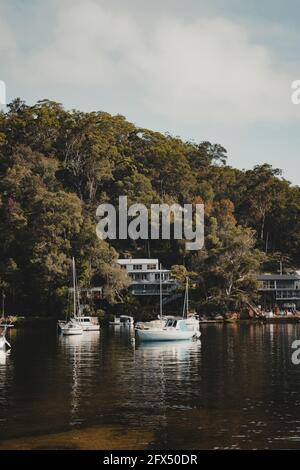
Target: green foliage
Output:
[{"x": 56, "y": 166}]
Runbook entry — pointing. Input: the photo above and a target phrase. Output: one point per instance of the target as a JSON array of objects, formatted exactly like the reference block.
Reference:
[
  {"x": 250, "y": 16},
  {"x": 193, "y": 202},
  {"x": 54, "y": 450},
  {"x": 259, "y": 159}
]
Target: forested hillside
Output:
[{"x": 57, "y": 166}]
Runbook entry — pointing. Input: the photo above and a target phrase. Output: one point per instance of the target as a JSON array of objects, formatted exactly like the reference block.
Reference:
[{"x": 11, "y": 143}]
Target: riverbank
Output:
[{"x": 91, "y": 438}]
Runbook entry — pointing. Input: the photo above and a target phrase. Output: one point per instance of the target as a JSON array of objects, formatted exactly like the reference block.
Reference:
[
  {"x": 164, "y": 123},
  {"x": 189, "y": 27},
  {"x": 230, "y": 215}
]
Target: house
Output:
[
  {"x": 280, "y": 290},
  {"x": 145, "y": 276}
]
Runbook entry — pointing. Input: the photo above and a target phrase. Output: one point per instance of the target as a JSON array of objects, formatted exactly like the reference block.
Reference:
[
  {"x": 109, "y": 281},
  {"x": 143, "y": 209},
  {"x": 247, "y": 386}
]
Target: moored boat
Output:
[
  {"x": 170, "y": 329},
  {"x": 72, "y": 327}
]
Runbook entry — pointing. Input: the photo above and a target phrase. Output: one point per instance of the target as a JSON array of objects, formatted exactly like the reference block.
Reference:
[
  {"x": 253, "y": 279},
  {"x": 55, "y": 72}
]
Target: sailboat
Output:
[
  {"x": 72, "y": 327},
  {"x": 3, "y": 340},
  {"x": 169, "y": 329},
  {"x": 5, "y": 322},
  {"x": 192, "y": 319}
]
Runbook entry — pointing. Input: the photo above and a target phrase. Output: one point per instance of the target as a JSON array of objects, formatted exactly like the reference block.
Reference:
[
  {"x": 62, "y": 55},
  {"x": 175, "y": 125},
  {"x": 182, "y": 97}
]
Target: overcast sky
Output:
[{"x": 218, "y": 70}]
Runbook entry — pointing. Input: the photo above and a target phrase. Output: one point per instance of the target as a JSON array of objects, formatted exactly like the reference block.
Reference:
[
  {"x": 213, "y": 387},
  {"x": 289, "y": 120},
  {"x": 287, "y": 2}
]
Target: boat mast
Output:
[
  {"x": 74, "y": 288},
  {"x": 77, "y": 295},
  {"x": 186, "y": 299},
  {"x": 160, "y": 294},
  {"x": 184, "y": 303},
  {"x": 3, "y": 301},
  {"x": 187, "y": 296}
]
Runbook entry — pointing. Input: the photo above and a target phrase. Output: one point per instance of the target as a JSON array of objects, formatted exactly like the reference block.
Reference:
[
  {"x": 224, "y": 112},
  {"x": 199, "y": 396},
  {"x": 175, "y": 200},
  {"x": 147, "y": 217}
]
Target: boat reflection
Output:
[
  {"x": 177, "y": 349},
  {"x": 79, "y": 351},
  {"x": 3, "y": 358}
]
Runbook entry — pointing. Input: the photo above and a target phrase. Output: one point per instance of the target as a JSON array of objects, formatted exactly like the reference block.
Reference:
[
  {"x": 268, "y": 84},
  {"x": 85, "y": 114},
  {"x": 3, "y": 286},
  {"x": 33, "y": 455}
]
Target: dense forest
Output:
[{"x": 57, "y": 166}]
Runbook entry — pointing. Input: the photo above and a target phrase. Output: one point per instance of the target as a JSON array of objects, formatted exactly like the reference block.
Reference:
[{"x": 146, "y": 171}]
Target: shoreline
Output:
[{"x": 89, "y": 438}]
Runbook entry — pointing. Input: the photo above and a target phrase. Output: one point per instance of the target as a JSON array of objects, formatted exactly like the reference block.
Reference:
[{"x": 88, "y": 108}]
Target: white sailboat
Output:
[
  {"x": 192, "y": 319},
  {"x": 73, "y": 327},
  {"x": 5, "y": 322},
  {"x": 170, "y": 329}
]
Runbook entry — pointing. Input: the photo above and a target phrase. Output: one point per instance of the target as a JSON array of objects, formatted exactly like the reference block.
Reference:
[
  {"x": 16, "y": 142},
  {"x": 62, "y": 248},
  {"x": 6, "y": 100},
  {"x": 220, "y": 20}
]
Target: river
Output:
[{"x": 237, "y": 388}]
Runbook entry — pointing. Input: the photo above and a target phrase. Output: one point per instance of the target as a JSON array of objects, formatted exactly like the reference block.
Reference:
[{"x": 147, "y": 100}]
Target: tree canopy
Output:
[{"x": 57, "y": 166}]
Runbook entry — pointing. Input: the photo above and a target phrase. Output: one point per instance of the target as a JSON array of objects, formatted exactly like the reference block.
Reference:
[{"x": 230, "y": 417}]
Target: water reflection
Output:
[
  {"x": 160, "y": 369},
  {"x": 235, "y": 388},
  {"x": 180, "y": 354},
  {"x": 3, "y": 358},
  {"x": 79, "y": 353}
]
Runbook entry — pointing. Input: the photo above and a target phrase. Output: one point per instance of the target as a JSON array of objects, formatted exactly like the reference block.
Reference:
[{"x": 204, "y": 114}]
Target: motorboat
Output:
[{"x": 122, "y": 320}]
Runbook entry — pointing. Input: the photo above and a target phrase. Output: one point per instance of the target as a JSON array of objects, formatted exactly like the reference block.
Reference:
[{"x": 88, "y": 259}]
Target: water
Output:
[{"x": 237, "y": 388}]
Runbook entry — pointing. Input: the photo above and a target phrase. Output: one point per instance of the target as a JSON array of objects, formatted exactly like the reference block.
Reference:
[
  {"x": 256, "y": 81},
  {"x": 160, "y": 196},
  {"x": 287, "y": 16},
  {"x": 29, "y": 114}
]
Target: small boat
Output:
[
  {"x": 126, "y": 320},
  {"x": 115, "y": 322},
  {"x": 218, "y": 317},
  {"x": 72, "y": 327},
  {"x": 170, "y": 329},
  {"x": 3, "y": 341}
]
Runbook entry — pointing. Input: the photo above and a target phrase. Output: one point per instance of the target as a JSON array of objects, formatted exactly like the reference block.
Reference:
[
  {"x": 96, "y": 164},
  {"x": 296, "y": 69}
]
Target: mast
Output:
[
  {"x": 74, "y": 288},
  {"x": 3, "y": 301},
  {"x": 160, "y": 294},
  {"x": 184, "y": 303},
  {"x": 187, "y": 296},
  {"x": 186, "y": 299}
]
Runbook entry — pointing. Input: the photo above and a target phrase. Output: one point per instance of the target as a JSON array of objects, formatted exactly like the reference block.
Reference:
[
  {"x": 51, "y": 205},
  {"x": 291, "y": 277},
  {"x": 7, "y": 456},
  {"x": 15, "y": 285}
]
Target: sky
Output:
[{"x": 216, "y": 70}]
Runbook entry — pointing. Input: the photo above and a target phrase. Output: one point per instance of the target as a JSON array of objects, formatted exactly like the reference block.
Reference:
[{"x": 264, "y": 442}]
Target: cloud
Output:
[{"x": 204, "y": 70}]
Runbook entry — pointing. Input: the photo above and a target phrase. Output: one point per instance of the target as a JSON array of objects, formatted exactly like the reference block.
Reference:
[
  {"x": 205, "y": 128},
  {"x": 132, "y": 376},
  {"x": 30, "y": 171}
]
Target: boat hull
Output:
[
  {"x": 71, "y": 331},
  {"x": 91, "y": 328},
  {"x": 164, "y": 335}
]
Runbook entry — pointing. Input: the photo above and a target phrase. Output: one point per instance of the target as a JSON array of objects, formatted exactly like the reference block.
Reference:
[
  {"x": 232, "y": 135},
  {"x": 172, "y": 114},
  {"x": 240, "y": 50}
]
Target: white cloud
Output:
[{"x": 202, "y": 70}]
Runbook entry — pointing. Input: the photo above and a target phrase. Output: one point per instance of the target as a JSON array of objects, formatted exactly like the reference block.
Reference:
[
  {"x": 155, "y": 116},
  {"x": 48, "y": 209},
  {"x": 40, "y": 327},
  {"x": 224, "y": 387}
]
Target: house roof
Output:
[
  {"x": 278, "y": 277},
  {"x": 137, "y": 261}
]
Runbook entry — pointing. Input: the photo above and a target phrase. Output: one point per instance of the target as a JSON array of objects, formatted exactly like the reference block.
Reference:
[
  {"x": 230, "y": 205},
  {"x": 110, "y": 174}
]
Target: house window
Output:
[
  {"x": 151, "y": 266},
  {"x": 137, "y": 267}
]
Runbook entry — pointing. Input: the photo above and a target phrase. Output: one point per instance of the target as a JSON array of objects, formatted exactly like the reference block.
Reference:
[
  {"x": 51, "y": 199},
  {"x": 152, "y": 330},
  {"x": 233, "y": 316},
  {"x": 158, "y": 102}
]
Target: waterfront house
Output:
[
  {"x": 145, "y": 276},
  {"x": 280, "y": 290}
]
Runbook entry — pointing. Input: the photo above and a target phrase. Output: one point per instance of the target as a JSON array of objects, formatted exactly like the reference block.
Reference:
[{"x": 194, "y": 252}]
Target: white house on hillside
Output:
[{"x": 145, "y": 276}]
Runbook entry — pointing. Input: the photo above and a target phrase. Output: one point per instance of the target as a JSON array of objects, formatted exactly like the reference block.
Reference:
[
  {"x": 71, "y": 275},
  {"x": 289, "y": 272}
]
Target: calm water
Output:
[{"x": 237, "y": 388}]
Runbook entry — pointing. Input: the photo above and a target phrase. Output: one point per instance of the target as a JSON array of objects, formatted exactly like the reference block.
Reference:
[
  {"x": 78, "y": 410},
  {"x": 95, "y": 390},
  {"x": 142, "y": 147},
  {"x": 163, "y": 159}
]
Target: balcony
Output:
[{"x": 287, "y": 294}]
